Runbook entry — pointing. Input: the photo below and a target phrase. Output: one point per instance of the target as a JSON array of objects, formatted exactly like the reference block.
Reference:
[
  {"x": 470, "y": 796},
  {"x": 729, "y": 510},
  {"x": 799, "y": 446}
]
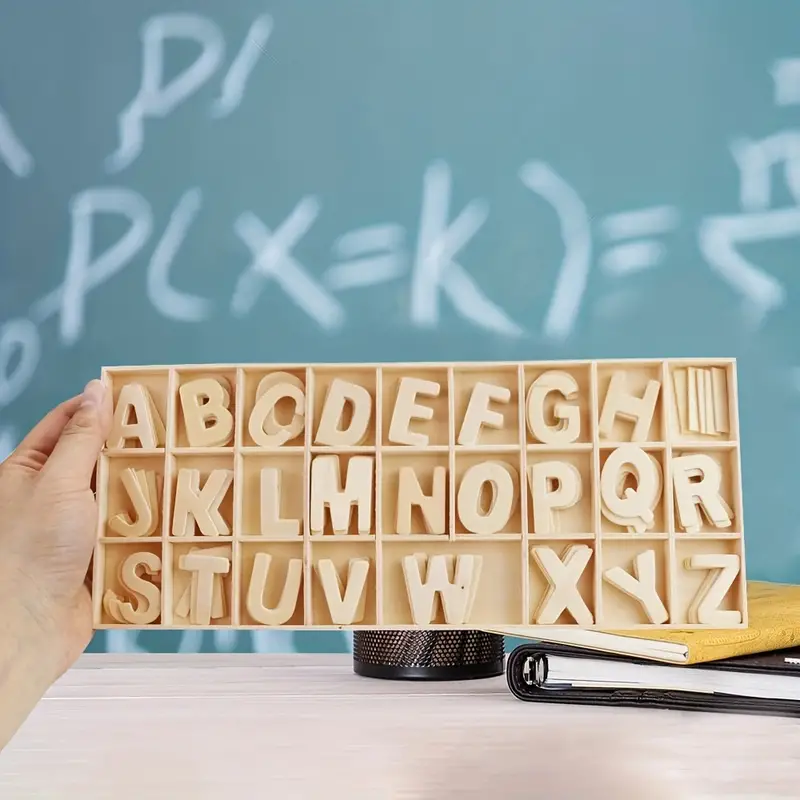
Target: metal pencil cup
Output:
[{"x": 428, "y": 655}]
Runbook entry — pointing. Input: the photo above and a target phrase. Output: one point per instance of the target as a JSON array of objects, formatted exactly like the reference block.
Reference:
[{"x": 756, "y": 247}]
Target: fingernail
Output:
[{"x": 93, "y": 394}]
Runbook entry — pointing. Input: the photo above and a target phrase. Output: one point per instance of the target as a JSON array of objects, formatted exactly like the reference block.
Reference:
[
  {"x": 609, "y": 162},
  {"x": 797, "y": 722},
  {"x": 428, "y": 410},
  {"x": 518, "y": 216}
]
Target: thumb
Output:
[{"x": 75, "y": 454}]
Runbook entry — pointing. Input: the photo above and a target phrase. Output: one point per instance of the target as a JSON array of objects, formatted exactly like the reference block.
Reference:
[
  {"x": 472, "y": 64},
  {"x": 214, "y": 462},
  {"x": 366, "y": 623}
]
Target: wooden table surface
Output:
[{"x": 235, "y": 727}]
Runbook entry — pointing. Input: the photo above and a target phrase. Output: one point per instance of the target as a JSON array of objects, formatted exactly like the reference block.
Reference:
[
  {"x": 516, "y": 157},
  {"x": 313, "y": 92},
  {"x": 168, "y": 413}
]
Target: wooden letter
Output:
[
  {"x": 642, "y": 587},
  {"x": 568, "y": 415},
  {"x": 271, "y": 522},
  {"x": 457, "y": 595},
  {"x": 193, "y": 505},
  {"x": 406, "y": 408},
  {"x": 409, "y": 493},
  {"x": 327, "y": 492},
  {"x": 478, "y": 412},
  {"x": 147, "y": 427},
  {"x": 705, "y": 608},
  {"x": 287, "y": 604},
  {"x": 346, "y": 606},
  {"x": 689, "y": 493},
  {"x": 555, "y": 486},
  {"x": 147, "y": 594},
  {"x": 339, "y": 394},
  {"x": 503, "y": 480},
  {"x": 183, "y": 605},
  {"x": 701, "y": 399},
  {"x": 263, "y": 425},
  {"x": 717, "y": 382},
  {"x": 562, "y": 593},
  {"x": 630, "y": 508},
  {"x": 619, "y": 402},
  {"x": 206, "y": 599},
  {"x": 206, "y": 414},
  {"x": 141, "y": 487}
]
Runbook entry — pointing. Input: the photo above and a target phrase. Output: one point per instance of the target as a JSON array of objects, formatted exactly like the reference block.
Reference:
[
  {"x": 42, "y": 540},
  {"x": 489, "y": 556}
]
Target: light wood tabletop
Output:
[{"x": 264, "y": 726}]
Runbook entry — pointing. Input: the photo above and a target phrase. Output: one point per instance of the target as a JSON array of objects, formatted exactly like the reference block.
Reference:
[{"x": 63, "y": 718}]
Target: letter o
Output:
[{"x": 503, "y": 480}]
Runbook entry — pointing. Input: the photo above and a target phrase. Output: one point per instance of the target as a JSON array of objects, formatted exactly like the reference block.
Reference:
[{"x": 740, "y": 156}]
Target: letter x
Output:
[
  {"x": 563, "y": 577},
  {"x": 272, "y": 259}
]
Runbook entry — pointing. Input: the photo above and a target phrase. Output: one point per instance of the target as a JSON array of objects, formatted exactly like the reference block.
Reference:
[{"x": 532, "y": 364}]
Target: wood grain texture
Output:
[{"x": 253, "y": 726}]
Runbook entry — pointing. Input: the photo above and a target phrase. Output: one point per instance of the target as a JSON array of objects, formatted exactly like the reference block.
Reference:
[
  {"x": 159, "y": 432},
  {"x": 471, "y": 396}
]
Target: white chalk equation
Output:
[
  {"x": 370, "y": 256},
  {"x": 157, "y": 100},
  {"x": 384, "y": 252},
  {"x": 361, "y": 257},
  {"x": 634, "y": 240}
]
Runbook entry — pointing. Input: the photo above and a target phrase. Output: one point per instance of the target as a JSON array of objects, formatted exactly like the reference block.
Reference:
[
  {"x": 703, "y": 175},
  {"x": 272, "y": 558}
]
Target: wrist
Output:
[{"x": 30, "y": 660}]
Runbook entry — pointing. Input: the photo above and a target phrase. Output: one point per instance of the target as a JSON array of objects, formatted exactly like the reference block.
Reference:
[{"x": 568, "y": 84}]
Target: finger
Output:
[
  {"x": 75, "y": 454},
  {"x": 36, "y": 447}
]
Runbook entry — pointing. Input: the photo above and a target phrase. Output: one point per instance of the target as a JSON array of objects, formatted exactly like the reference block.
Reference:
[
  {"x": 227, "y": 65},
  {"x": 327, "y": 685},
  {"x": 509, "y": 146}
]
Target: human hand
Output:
[{"x": 49, "y": 517}]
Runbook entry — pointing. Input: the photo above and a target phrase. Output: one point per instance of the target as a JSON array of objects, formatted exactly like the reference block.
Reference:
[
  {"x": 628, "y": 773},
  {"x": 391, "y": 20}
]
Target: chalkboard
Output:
[{"x": 425, "y": 180}]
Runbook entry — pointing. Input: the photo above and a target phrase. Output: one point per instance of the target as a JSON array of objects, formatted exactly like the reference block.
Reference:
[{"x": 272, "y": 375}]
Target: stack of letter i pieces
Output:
[{"x": 599, "y": 494}]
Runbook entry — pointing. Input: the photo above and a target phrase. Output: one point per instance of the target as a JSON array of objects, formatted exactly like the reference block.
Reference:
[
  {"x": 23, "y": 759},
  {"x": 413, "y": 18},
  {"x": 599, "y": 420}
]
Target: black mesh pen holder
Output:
[{"x": 428, "y": 655}]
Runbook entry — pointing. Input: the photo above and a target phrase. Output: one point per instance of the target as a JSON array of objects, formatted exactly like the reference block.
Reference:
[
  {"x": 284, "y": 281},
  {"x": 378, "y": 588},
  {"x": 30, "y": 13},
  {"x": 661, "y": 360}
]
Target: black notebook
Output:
[{"x": 767, "y": 683}]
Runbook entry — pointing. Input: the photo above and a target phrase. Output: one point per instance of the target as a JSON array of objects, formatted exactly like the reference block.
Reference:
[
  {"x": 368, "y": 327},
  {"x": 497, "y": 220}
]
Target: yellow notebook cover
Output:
[{"x": 773, "y": 624}]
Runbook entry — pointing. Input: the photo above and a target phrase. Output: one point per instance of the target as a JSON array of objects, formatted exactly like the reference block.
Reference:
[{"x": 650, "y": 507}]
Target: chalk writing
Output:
[
  {"x": 435, "y": 268},
  {"x": 720, "y": 237},
  {"x": 639, "y": 252},
  {"x": 372, "y": 255},
  {"x": 20, "y": 350},
  {"x": 369, "y": 256},
  {"x": 235, "y": 81},
  {"x": 169, "y": 301},
  {"x": 272, "y": 260},
  {"x": 573, "y": 276},
  {"x": 83, "y": 273},
  {"x": 377, "y": 254},
  {"x": 786, "y": 75},
  {"x": 12, "y": 151},
  {"x": 157, "y": 100}
]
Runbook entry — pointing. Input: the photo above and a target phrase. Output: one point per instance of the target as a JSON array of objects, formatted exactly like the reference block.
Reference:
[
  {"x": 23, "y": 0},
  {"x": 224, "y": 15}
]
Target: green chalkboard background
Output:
[{"x": 427, "y": 179}]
